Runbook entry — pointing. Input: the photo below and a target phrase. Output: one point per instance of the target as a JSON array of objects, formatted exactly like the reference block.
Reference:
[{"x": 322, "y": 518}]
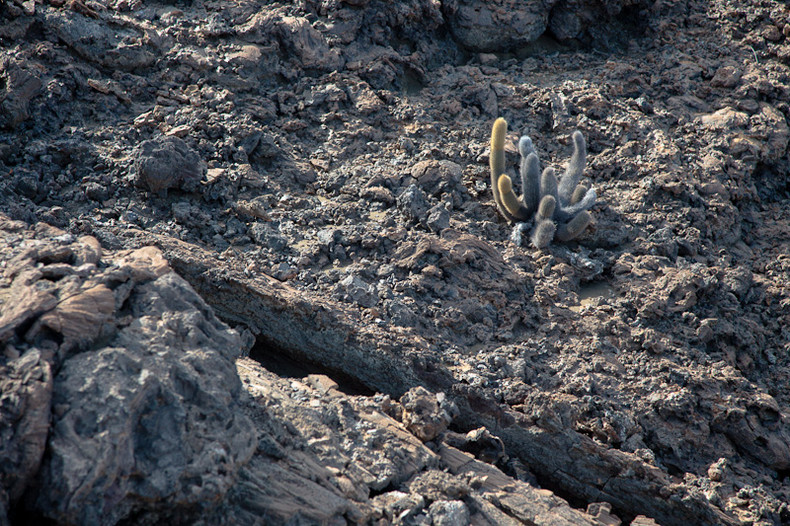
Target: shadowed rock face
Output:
[
  {"x": 505, "y": 25},
  {"x": 498, "y": 25},
  {"x": 17, "y": 87},
  {"x": 26, "y": 387}
]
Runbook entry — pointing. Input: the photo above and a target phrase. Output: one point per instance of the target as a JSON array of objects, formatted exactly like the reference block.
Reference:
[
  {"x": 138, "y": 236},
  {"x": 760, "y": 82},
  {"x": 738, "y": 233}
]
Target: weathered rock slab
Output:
[
  {"x": 109, "y": 43},
  {"x": 149, "y": 418},
  {"x": 118, "y": 391}
]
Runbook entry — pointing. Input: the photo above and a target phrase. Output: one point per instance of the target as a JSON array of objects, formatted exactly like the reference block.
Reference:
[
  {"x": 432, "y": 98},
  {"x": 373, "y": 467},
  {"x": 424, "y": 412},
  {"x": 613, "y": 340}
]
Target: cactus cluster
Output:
[{"x": 558, "y": 209}]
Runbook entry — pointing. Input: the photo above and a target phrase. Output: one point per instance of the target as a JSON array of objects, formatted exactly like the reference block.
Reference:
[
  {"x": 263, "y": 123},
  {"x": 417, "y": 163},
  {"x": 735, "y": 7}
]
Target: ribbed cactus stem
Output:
[
  {"x": 573, "y": 228},
  {"x": 530, "y": 179},
  {"x": 496, "y": 162},
  {"x": 548, "y": 184},
  {"x": 573, "y": 173},
  {"x": 525, "y": 147},
  {"x": 546, "y": 208},
  {"x": 543, "y": 233}
]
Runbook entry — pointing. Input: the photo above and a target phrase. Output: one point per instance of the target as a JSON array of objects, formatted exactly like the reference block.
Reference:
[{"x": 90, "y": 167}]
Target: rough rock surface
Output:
[
  {"x": 322, "y": 454},
  {"x": 144, "y": 417},
  {"x": 118, "y": 383},
  {"x": 345, "y": 221},
  {"x": 496, "y": 26},
  {"x": 167, "y": 162},
  {"x": 149, "y": 418}
]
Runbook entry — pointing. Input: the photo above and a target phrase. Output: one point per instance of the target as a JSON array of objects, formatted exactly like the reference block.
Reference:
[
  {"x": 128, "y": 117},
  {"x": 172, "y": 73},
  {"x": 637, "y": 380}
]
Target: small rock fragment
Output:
[
  {"x": 412, "y": 203},
  {"x": 438, "y": 218},
  {"x": 425, "y": 414},
  {"x": 726, "y": 77},
  {"x": 717, "y": 469},
  {"x": 602, "y": 511},
  {"x": 449, "y": 513},
  {"x": 358, "y": 291}
]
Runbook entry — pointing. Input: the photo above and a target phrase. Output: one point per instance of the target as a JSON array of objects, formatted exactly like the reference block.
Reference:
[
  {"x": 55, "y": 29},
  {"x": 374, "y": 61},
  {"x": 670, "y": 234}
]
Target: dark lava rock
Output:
[
  {"x": 167, "y": 162},
  {"x": 112, "y": 44},
  {"x": 17, "y": 87},
  {"x": 497, "y": 25}
]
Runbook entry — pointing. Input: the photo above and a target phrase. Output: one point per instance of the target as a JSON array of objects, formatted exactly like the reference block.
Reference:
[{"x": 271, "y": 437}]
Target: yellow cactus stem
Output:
[
  {"x": 509, "y": 199},
  {"x": 498, "y": 133},
  {"x": 496, "y": 161}
]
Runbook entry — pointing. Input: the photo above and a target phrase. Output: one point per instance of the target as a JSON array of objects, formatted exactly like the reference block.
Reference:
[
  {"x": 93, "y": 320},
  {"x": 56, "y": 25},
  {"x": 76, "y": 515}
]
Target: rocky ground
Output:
[{"x": 352, "y": 332}]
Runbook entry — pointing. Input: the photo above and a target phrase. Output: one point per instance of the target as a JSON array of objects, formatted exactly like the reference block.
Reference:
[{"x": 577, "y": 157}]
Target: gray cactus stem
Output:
[
  {"x": 573, "y": 173},
  {"x": 530, "y": 179}
]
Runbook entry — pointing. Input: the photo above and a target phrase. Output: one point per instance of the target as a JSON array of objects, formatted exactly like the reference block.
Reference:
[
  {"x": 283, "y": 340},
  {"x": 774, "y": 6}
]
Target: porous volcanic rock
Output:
[
  {"x": 118, "y": 367},
  {"x": 167, "y": 162},
  {"x": 499, "y": 25}
]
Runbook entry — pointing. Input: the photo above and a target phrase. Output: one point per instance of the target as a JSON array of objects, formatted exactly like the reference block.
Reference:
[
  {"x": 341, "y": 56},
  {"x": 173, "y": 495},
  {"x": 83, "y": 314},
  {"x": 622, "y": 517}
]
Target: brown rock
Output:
[
  {"x": 309, "y": 45},
  {"x": 726, "y": 77},
  {"x": 436, "y": 177},
  {"x": 772, "y": 33},
  {"x": 602, "y": 512},
  {"x": 80, "y": 318},
  {"x": 725, "y": 119},
  {"x": 423, "y": 413},
  {"x": 145, "y": 263},
  {"x": 770, "y": 125},
  {"x": 87, "y": 250},
  {"x": 365, "y": 99}
]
